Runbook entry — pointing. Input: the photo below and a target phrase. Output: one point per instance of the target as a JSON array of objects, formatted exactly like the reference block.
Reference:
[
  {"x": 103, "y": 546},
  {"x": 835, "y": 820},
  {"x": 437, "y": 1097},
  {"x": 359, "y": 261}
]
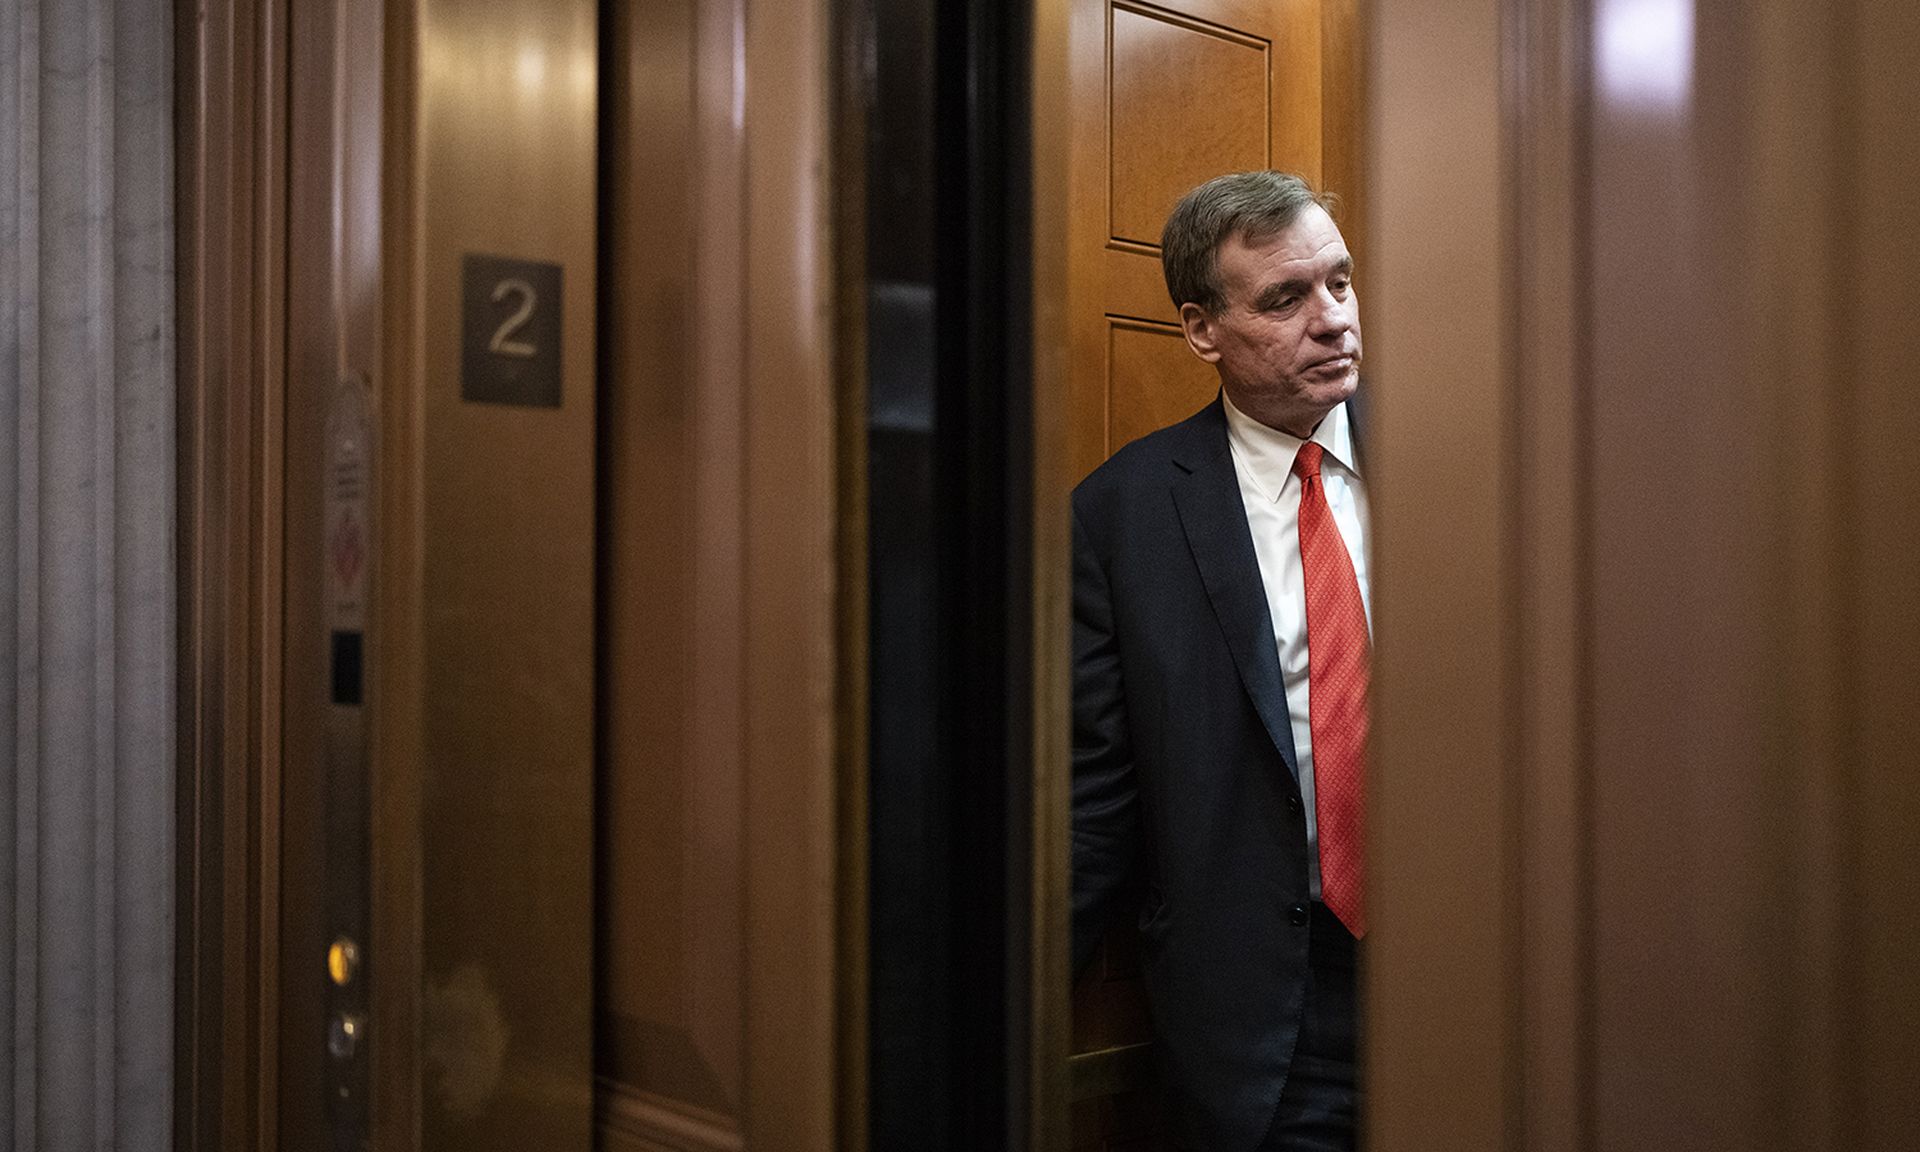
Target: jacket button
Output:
[
  {"x": 1293, "y": 803},
  {"x": 1298, "y": 914}
]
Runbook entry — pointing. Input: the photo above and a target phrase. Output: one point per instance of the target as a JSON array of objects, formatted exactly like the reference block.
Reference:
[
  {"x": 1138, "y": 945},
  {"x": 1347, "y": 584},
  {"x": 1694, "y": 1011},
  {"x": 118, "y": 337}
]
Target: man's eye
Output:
[{"x": 1341, "y": 286}]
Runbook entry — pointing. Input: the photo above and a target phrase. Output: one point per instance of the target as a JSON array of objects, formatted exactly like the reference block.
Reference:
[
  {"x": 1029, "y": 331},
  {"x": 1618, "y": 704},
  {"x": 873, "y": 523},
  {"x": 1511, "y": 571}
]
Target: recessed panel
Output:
[
  {"x": 1188, "y": 102},
  {"x": 1153, "y": 380}
]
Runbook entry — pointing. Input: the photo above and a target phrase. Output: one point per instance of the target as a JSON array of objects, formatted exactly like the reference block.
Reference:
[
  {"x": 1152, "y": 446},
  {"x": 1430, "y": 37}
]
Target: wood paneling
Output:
[
  {"x": 725, "y": 584},
  {"x": 1153, "y": 380},
  {"x": 1668, "y": 625},
  {"x": 1878, "y": 834},
  {"x": 230, "y": 173},
  {"x": 673, "y": 616},
  {"x": 1343, "y": 121},
  {"x": 723, "y": 696},
  {"x": 790, "y": 805},
  {"x": 1442, "y": 665},
  {"x": 504, "y": 163},
  {"x": 1164, "y": 69},
  {"x": 397, "y": 671}
]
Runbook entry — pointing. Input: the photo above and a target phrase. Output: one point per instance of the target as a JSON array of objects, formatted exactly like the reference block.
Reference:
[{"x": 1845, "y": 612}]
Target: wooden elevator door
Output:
[{"x": 1164, "y": 97}]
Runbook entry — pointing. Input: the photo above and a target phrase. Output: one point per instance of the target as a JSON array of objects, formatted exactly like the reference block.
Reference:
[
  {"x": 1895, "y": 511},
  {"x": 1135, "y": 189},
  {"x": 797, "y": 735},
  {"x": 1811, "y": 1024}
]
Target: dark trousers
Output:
[{"x": 1319, "y": 1107}]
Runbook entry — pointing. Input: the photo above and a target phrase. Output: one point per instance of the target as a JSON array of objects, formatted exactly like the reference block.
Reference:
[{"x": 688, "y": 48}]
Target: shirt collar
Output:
[{"x": 1267, "y": 453}]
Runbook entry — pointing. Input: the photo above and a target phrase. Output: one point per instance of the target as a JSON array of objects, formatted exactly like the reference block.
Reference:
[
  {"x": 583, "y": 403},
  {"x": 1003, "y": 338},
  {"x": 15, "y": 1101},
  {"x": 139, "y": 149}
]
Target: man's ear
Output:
[{"x": 1199, "y": 330}]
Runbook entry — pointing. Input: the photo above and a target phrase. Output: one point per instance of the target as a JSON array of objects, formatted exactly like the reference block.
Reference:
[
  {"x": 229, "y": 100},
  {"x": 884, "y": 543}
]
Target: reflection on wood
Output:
[
  {"x": 631, "y": 1121},
  {"x": 664, "y": 1061}
]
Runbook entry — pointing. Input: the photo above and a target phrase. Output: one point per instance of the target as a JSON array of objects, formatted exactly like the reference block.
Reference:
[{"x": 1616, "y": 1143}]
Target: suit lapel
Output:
[{"x": 1206, "y": 491}]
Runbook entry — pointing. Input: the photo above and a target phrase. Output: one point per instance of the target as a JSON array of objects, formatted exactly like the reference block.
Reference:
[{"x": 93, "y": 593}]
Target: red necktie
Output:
[{"x": 1338, "y": 649}]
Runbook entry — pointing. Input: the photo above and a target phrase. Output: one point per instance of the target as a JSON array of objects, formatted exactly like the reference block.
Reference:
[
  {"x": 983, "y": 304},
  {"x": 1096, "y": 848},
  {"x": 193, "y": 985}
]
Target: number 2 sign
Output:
[{"x": 510, "y": 331}]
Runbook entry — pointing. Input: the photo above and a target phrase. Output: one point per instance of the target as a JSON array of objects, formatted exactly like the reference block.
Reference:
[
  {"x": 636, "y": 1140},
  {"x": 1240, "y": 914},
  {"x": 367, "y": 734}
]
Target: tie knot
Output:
[{"x": 1306, "y": 462}]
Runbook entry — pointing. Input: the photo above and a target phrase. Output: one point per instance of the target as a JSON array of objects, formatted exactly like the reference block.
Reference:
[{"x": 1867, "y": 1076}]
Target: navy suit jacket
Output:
[{"x": 1183, "y": 774}]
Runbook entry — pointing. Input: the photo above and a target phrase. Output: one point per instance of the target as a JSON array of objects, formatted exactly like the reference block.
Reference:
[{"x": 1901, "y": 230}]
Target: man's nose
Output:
[{"x": 1329, "y": 315}]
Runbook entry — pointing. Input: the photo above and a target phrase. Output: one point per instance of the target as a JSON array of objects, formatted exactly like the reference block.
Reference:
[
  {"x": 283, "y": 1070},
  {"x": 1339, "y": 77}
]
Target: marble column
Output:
[{"x": 86, "y": 574}]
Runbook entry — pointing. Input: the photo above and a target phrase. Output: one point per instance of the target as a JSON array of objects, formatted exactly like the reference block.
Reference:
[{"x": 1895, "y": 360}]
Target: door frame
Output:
[{"x": 230, "y": 194}]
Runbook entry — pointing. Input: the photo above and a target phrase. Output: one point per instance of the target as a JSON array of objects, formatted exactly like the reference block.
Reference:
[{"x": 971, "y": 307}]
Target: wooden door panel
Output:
[
  {"x": 1153, "y": 380},
  {"x": 1189, "y": 101},
  {"x": 1135, "y": 285}
]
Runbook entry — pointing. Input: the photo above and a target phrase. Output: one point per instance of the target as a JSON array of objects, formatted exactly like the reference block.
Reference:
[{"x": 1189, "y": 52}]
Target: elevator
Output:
[
  {"x": 622, "y": 559},
  {"x": 647, "y": 539}
]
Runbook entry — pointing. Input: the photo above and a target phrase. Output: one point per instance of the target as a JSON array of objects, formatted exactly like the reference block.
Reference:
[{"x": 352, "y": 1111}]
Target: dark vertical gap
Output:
[
  {"x": 1007, "y": 46},
  {"x": 949, "y": 433},
  {"x": 969, "y": 415},
  {"x": 911, "y": 1075},
  {"x": 610, "y": 128},
  {"x": 197, "y": 846}
]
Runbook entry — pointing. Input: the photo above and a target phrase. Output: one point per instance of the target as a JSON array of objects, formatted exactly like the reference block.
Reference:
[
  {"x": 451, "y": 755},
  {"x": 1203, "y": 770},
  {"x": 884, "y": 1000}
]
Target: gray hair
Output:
[{"x": 1253, "y": 205}]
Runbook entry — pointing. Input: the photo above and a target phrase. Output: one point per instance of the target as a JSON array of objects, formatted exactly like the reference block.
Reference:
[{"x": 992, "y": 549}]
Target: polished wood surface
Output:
[
  {"x": 397, "y": 740},
  {"x": 230, "y": 264},
  {"x": 792, "y": 744},
  {"x": 671, "y": 761},
  {"x": 728, "y": 762},
  {"x": 1444, "y": 622},
  {"x": 426, "y": 130},
  {"x": 504, "y": 155},
  {"x": 1343, "y": 121},
  {"x": 1160, "y": 71},
  {"x": 1545, "y": 239},
  {"x": 1878, "y": 805},
  {"x": 1163, "y": 97},
  {"x": 1666, "y": 598}
]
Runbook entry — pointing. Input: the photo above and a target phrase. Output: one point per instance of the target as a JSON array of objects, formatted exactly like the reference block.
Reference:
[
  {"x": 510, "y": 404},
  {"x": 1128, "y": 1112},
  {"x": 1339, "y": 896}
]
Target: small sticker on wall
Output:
[{"x": 346, "y": 549}]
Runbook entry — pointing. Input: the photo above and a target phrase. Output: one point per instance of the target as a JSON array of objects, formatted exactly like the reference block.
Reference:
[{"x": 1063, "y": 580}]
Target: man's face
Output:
[{"x": 1287, "y": 340}]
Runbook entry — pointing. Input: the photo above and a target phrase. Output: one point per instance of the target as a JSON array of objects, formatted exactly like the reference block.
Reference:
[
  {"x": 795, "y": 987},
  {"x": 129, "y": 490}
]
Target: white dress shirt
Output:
[{"x": 1263, "y": 460}]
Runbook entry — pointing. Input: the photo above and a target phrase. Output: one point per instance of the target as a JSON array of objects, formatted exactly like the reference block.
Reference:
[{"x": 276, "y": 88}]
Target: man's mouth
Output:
[{"x": 1344, "y": 360}]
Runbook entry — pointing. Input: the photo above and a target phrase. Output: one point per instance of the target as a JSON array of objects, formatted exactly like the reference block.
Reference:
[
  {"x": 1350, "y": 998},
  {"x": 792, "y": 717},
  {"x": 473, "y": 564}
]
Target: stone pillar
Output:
[{"x": 86, "y": 574}]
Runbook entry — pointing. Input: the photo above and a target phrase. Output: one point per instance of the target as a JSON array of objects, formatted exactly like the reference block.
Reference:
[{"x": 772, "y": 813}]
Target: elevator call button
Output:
[
  {"x": 343, "y": 961},
  {"x": 509, "y": 331}
]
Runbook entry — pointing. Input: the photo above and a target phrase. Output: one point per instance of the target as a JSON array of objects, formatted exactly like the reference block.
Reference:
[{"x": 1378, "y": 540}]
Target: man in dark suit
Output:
[{"x": 1221, "y": 661}]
